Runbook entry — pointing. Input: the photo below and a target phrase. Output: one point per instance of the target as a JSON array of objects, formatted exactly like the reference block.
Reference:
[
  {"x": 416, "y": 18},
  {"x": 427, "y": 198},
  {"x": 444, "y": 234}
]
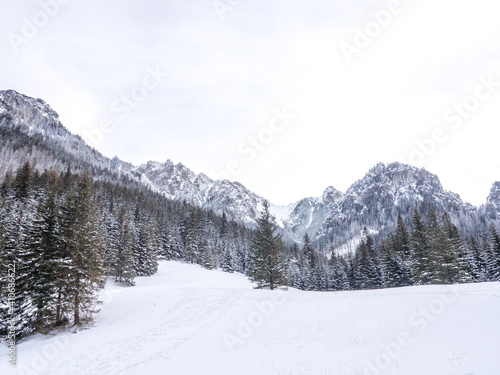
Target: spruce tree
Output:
[
  {"x": 452, "y": 265},
  {"x": 192, "y": 238},
  {"x": 22, "y": 182},
  {"x": 15, "y": 253},
  {"x": 310, "y": 266},
  {"x": 267, "y": 266},
  {"x": 495, "y": 255},
  {"x": 175, "y": 243},
  {"x": 337, "y": 275},
  {"x": 392, "y": 265},
  {"x": 124, "y": 271},
  {"x": 420, "y": 251},
  {"x": 402, "y": 253},
  {"x": 477, "y": 262},
  {"x": 46, "y": 243},
  {"x": 85, "y": 248}
]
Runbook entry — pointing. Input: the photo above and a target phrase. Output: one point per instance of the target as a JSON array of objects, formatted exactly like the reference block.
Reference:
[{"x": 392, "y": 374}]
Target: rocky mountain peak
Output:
[
  {"x": 494, "y": 197},
  {"x": 398, "y": 175},
  {"x": 331, "y": 195},
  {"x": 33, "y": 114},
  {"x": 31, "y": 130}
]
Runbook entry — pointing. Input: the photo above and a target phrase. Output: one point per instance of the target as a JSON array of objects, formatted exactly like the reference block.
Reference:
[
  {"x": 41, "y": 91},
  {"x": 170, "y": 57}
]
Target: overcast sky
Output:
[{"x": 286, "y": 96}]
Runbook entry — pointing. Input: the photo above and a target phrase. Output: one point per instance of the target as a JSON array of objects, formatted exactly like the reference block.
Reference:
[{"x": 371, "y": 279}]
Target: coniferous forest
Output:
[{"x": 66, "y": 233}]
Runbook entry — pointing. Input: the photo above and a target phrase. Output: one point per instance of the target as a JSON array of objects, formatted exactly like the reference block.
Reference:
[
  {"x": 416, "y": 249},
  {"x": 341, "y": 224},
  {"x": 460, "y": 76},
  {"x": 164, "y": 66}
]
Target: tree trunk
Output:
[{"x": 77, "y": 304}]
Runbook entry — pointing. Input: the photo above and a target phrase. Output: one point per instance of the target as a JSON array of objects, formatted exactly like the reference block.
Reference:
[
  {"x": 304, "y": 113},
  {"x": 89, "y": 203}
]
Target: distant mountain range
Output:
[{"x": 31, "y": 131}]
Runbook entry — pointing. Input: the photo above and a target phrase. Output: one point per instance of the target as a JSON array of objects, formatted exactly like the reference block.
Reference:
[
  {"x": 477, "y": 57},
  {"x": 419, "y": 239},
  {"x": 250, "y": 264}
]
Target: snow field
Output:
[{"x": 186, "y": 320}]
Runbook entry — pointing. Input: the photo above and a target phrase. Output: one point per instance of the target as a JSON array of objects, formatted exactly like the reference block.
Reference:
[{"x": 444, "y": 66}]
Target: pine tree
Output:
[
  {"x": 354, "y": 275},
  {"x": 112, "y": 242},
  {"x": 85, "y": 248},
  {"x": 45, "y": 242},
  {"x": 175, "y": 243},
  {"x": 495, "y": 255},
  {"x": 368, "y": 273},
  {"x": 267, "y": 257},
  {"x": 166, "y": 248},
  {"x": 125, "y": 262},
  {"x": 477, "y": 263},
  {"x": 402, "y": 253},
  {"x": 420, "y": 251},
  {"x": 337, "y": 273},
  {"x": 192, "y": 239},
  {"x": 310, "y": 266},
  {"x": 452, "y": 264},
  {"x": 394, "y": 274},
  {"x": 227, "y": 264},
  {"x": 16, "y": 254},
  {"x": 144, "y": 250},
  {"x": 240, "y": 257},
  {"x": 22, "y": 182},
  {"x": 208, "y": 255}
]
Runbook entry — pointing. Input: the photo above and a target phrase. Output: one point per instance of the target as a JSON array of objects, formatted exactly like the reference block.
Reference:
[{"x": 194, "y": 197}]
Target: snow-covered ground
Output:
[{"x": 186, "y": 320}]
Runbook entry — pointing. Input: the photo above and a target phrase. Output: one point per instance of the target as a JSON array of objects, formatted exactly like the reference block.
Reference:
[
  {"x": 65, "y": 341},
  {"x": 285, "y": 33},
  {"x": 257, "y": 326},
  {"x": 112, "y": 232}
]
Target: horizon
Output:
[
  {"x": 343, "y": 191},
  {"x": 304, "y": 95}
]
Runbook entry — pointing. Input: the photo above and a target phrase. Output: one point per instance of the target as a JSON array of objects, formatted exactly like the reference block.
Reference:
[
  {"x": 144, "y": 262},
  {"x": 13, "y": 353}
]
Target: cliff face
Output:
[{"x": 31, "y": 131}]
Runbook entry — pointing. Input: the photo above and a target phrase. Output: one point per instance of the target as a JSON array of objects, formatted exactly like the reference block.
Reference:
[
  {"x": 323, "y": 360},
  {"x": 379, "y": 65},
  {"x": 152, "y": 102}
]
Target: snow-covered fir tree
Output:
[{"x": 267, "y": 267}]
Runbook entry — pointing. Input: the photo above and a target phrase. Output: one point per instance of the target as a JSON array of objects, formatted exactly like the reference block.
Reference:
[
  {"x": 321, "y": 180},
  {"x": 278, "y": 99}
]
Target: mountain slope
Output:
[
  {"x": 309, "y": 214},
  {"x": 187, "y": 320},
  {"x": 492, "y": 206},
  {"x": 31, "y": 131},
  {"x": 386, "y": 190},
  {"x": 177, "y": 182}
]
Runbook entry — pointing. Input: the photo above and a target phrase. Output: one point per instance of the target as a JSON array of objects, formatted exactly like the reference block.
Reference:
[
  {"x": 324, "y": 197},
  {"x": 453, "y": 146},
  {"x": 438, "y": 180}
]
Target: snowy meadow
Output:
[{"x": 187, "y": 320}]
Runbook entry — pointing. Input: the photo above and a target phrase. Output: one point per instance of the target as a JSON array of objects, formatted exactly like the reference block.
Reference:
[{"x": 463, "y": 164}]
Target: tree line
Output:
[
  {"x": 430, "y": 251},
  {"x": 67, "y": 234}
]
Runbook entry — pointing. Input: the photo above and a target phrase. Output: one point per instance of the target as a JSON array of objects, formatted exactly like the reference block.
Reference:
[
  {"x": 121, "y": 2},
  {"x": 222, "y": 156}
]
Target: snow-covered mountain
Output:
[
  {"x": 177, "y": 182},
  {"x": 308, "y": 215},
  {"x": 31, "y": 131},
  {"x": 386, "y": 190},
  {"x": 493, "y": 201}
]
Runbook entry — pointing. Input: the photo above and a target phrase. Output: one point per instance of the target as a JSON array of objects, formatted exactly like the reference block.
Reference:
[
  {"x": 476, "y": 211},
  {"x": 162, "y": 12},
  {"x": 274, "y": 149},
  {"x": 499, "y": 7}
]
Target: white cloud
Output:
[{"x": 228, "y": 76}]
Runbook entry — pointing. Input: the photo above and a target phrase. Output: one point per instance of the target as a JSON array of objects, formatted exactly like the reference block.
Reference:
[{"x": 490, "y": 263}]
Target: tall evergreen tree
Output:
[
  {"x": 23, "y": 182},
  {"x": 420, "y": 251},
  {"x": 337, "y": 274},
  {"x": 192, "y": 239},
  {"x": 495, "y": 255},
  {"x": 402, "y": 252},
  {"x": 85, "y": 248},
  {"x": 452, "y": 261},
  {"x": 477, "y": 262},
  {"x": 46, "y": 243},
  {"x": 124, "y": 271},
  {"x": 267, "y": 258},
  {"x": 16, "y": 254}
]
